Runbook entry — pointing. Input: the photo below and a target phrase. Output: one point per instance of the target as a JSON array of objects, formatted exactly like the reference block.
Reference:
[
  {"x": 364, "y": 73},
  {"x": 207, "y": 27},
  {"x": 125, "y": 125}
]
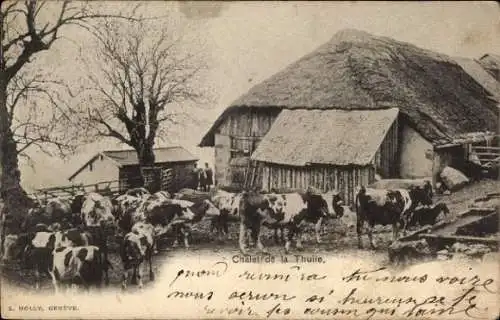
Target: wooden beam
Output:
[
  {"x": 485, "y": 148},
  {"x": 491, "y": 154},
  {"x": 490, "y": 240}
]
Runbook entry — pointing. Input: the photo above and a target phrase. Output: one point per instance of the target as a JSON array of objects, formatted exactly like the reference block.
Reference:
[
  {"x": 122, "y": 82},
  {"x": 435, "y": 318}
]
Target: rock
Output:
[
  {"x": 443, "y": 255},
  {"x": 453, "y": 179},
  {"x": 475, "y": 251},
  {"x": 409, "y": 250},
  {"x": 460, "y": 256},
  {"x": 491, "y": 257},
  {"x": 398, "y": 183}
]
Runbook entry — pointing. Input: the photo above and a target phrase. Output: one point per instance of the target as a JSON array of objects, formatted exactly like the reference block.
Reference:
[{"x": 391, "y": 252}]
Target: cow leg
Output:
[
  {"x": 106, "y": 265},
  {"x": 37, "y": 278},
  {"x": 257, "y": 239},
  {"x": 176, "y": 235},
  {"x": 225, "y": 225},
  {"x": 139, "y": 275},
  {"x": 155, "y": 246},
  {"x": 276, "y": 238},
  {"x": 317, "y": 230},
  {"x": 291, "y": 233},
  {"x": 370, "y": 236},
  {"x": 134, "y": 276},
  {"x": 242, "y": 237},
  {"x": 359, "y": 231},
  {"x": 54, "y": 282},
  {"x": 404, "y": 225},
  {"x": 299, "y": 238},
  {"x": 249, "y": 239},
  {"x": 150, "y": 262},
  {"x": 395, "y": 231},
  {"x": 124, "y": 279},
  {"x": 282, "y": 234},
  {"x": 185, "y": 235}
]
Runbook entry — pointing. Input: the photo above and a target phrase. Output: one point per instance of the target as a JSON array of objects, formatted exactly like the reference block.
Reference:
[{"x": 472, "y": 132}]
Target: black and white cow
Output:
[
  {"x": 136, "y": 248},
  {"x": 293, "y": 210},
  {"x": 384, "y": 207},
  {"x": 255, "y": 209},
  {"x": 428, "y": 215},
  {"x": 82, "y": 265},
  {"x": 180, "y": 216},
  {"x": 228, "y": 204},
  {"x": 99, "y": 221}
]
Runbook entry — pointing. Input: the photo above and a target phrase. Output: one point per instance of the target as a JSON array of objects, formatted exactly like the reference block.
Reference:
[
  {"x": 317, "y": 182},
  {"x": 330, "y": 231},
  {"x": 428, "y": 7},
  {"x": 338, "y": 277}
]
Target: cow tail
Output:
[{"x": 108, "y": 264}]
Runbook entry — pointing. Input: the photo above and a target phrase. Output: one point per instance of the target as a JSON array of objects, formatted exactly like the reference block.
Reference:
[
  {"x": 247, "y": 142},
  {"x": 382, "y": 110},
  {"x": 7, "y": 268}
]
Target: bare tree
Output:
[
  {"x": 25, "y": 32},
  {"x": 145, "y": 81}
]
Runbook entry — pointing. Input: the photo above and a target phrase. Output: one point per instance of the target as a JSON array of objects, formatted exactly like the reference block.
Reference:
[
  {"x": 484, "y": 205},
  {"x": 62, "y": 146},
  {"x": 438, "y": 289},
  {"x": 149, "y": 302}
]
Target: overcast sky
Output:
[{"x": 246, "y": 42}]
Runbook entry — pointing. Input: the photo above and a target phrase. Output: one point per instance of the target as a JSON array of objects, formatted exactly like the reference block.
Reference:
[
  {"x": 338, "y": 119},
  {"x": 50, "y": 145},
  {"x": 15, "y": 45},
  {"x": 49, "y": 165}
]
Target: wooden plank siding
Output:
[
  {"x": 387, "y": 157},
  {"x": 326, "y": 178},
  {"x": 130, "y": 176},
  {"x": 237, "y": 137}
]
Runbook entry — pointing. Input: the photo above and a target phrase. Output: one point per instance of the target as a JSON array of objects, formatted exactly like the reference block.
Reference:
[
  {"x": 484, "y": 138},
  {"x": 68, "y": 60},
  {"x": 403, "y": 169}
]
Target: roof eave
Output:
[{"x": 92, "y": 160}]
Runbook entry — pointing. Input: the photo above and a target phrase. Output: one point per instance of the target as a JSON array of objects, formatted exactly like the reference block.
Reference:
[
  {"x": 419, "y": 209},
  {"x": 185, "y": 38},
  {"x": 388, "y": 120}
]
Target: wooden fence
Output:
[
  {"x": 106, "y": 188},
  {"x": 487, "y": 154}
]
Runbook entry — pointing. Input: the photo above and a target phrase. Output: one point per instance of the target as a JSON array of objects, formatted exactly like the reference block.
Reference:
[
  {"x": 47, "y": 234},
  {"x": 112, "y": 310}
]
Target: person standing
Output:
[
  {"x": 195, "y": 178},
  {"x": 209, "y": 174},
  {"x": 203, "y": 180}
]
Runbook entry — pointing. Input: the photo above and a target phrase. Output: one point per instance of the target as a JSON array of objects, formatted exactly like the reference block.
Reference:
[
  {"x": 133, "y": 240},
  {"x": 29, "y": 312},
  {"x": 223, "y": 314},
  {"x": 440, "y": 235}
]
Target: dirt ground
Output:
[{"x": 337, "y": 238}]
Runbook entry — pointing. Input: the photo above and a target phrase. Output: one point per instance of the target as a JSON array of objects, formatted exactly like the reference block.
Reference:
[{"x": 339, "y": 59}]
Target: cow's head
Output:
[
  {"x": 187, "y": 214},
  {"x": 334, "y": 202},
  {"x": 210, "y": 209},
  {"x": 276, "y": 203},
  {"x": 442, "y": 207},
  {"x": 421, "y": 195},
  {"x": 10, "y": 245},
  {"x": 134, "y": 247}
]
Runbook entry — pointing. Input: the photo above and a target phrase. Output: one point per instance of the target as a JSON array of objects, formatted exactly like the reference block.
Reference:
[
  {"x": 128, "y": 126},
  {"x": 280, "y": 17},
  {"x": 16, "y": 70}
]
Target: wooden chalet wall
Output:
[
  {"x": 129, "y": 176},
  {"x": 235, "y": 140},
  {"x": 325, "y": 178},
  {"x": 387, "y": 157}
]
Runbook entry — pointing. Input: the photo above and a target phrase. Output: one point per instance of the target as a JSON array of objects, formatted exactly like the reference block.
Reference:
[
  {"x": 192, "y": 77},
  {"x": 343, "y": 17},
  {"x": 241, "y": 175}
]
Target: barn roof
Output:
[
  {"x": 162, "y": 155},
  {"x": 129, "y": 157},
  {"x": 359, "y": 71},
  {"x": 340, "y": 137},
  {"x": 481, "y": 75},
  {"x": 491, "y": 62}
]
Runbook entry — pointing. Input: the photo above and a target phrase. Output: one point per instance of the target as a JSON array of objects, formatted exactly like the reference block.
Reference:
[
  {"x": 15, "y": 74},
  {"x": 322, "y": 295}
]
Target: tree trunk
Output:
[
  {"x": 15, "y": 199},
  {"x": 146, "y": 158}
]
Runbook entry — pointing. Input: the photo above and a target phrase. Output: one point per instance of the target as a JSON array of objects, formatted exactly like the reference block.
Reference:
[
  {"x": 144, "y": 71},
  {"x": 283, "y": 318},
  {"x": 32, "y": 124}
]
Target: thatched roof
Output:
[
  {"x": 338, "y": 137},
  {"x": 491, "y": 62},
  {"x": 357, "y": 70},
  {"x": 481, "y": 75}
]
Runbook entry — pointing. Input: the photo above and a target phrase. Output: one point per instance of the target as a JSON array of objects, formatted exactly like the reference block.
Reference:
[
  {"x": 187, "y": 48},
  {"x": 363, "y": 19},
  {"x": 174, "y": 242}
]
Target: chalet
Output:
[
  {"x": 121, "y": 169},
  {"x": 358, "y": 106}
]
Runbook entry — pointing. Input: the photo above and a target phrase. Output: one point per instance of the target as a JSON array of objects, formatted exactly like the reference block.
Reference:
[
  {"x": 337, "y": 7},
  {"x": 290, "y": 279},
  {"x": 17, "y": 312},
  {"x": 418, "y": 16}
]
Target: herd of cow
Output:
[{"x": 68, "y": 238}]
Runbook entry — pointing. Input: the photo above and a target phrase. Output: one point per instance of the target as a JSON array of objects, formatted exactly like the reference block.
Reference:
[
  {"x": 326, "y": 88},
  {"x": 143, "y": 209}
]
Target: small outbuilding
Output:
[{"x": 119, "y": 169}]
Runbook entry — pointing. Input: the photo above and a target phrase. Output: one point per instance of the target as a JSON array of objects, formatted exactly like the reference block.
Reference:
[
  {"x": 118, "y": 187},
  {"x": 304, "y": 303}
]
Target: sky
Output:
[{"x": 246, "y": 42}]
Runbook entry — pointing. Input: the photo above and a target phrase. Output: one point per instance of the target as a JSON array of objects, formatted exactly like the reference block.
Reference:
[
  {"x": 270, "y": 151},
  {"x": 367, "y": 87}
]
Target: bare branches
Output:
[
  {"x": 47, "y": 134},
  {"x": 36, "y": 38},
  {"x": 144, "y": 82},
  {"x": 45, "y": 118}
]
